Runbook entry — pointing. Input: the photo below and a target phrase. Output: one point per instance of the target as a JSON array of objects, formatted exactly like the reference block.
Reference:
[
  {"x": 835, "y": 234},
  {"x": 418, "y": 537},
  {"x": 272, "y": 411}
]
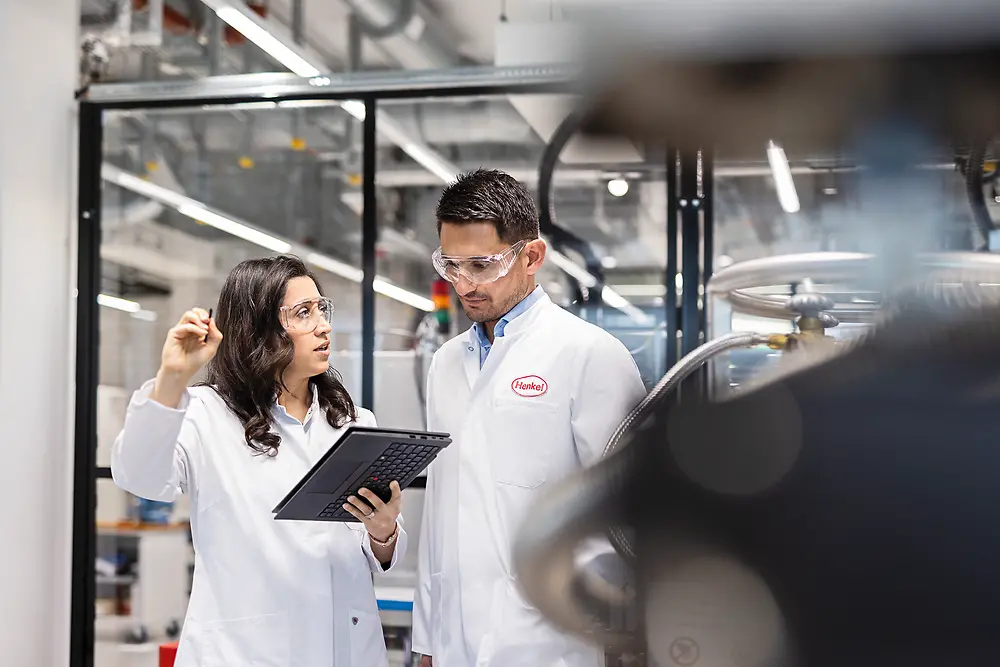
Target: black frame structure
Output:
[{"x": 368, "y": 88}]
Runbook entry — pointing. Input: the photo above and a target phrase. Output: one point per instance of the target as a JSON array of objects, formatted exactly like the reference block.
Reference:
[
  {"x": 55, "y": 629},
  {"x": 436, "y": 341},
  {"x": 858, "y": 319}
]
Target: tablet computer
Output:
[{"x": 362, "y": 457}]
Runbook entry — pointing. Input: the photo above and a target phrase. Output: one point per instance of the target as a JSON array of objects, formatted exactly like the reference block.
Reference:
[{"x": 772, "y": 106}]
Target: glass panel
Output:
[
  {"x": 755, "y": 218},
  {"x": 188, "y": 194},
  {"x": 612, "y": 196},
  {"x": 143, "y": 577}
]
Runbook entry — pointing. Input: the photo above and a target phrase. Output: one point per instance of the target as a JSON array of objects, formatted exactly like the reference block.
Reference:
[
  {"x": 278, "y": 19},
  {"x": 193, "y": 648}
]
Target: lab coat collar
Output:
[
  {"x": 281, "y": 413},
  {"x": 529, "y": 317},
  {"x": 470, "y": 342}
]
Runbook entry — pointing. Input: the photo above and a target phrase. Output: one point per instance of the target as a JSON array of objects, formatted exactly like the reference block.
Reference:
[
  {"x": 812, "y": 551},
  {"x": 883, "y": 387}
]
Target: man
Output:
[{"x": 529, "y": 394}]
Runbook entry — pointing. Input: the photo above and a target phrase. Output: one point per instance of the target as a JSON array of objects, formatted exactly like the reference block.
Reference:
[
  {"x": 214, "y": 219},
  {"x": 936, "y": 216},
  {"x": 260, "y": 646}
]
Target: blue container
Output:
[{"x": 155, "y": 511}]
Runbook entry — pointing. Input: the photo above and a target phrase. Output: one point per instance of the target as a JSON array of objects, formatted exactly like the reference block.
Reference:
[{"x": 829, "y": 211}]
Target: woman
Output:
[{"x": 266, "y": 593}]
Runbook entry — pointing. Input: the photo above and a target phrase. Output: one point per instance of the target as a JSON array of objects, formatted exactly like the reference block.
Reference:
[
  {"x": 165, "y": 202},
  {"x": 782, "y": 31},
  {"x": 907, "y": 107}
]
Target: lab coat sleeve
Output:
[
  {"x": 151, "y": 457},
  {"x": 607, "y": 387},
  {"x": 422, "y": 600},
  {"x": 366, "y": 418}
]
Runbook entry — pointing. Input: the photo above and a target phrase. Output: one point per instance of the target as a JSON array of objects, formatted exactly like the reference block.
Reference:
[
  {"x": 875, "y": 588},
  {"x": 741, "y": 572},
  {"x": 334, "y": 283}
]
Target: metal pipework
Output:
[
  {"x": 665, "y": 387},
  {"x": 730, "y": 286},
  {"x": 544, "y": 554}
]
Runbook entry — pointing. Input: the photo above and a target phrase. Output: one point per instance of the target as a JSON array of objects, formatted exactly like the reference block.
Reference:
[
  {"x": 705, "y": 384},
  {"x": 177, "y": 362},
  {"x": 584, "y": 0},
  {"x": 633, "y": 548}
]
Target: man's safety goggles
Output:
[{"x": 477, "y": 270}]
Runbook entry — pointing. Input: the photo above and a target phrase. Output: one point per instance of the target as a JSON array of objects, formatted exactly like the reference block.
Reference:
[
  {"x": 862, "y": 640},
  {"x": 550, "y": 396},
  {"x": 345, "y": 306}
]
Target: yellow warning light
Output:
[
  {"x": 298, "y": 144},
  {"x": 245, "y": 162},
  {"x": 354, "y": 179},
  {"x": 152, "y": 166}
]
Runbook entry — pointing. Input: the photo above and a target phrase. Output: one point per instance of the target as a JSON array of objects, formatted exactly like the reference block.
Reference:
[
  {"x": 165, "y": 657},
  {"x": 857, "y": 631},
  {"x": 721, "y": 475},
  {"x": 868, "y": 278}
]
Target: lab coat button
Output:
[{"x": 354, "y": 620}]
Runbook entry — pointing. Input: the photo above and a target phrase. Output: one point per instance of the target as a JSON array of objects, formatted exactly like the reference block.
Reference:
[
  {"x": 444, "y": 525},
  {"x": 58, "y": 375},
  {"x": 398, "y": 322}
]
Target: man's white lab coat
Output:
[{"x": 544, "y": 404}]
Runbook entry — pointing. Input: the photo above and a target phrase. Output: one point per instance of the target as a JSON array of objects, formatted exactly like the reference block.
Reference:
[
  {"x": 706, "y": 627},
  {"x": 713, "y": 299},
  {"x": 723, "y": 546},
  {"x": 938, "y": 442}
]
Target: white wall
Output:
[{"x": 38, "y": 49}]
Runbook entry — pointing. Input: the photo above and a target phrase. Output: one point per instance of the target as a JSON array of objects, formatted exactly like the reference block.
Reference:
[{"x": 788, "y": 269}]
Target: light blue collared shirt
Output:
[{"x": 484, "y": 343}]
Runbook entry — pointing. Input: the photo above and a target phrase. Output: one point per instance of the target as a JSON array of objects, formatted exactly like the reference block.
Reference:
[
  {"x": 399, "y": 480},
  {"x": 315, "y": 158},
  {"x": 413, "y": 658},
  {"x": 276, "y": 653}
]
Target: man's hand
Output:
[{"x": 426, "y": 661}]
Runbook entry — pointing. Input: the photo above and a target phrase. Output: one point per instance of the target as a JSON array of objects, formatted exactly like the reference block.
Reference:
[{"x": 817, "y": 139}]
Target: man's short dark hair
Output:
[{"x": 489, "y": 195}]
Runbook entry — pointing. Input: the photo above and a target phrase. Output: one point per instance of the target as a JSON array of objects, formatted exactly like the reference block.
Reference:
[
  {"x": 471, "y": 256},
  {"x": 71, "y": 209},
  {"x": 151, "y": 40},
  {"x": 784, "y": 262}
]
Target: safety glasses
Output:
[
  {"x": 477, "y": 270},
  {"x": 306, "y": 315}
]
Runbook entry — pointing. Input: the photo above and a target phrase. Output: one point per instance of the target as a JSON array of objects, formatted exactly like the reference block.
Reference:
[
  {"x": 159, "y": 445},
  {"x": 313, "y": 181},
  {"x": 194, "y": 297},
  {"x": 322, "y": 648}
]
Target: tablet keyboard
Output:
[{"x": 398, "y": 462}]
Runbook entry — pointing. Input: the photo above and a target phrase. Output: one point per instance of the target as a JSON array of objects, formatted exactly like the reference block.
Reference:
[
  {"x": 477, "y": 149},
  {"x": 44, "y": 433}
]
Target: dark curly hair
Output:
[{"x": 255, "y": 350}]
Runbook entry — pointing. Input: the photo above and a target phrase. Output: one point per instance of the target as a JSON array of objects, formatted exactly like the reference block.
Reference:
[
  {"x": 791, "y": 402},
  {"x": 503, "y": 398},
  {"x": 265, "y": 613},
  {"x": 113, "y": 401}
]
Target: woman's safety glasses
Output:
[
  {"x": 477, "y": 270},
  {"x": 305, "y": 316}
]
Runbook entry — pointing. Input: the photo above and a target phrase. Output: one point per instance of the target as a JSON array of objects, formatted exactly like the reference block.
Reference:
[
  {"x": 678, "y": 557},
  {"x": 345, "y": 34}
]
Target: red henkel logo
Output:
[{"x": 529, "y": 386}]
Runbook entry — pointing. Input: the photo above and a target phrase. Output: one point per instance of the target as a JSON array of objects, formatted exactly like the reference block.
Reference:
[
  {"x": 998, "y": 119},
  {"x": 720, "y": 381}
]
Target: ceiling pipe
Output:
[
  {"x": 418, "y": 44},
  {"x": 404, "y": 14}
]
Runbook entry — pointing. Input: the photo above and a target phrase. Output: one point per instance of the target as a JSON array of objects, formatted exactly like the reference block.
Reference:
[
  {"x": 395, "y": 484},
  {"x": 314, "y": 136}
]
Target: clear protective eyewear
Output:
[
  {"x": 305, "y": 316},
  {"x": 478, "y": 270}
]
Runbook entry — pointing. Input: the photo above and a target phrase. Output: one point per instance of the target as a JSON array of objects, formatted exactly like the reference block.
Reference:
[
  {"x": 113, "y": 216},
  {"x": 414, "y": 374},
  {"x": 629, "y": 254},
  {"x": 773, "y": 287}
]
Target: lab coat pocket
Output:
[
  {"x": 367, "y": 642},
  {"x": 520, "y": 447},
  {"x": 263, "y": 641}
]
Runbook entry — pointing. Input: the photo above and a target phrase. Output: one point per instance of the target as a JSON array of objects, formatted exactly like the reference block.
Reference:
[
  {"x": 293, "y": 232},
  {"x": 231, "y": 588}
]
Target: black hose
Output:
[
  {"x": 561, "y": 237},
  {"x": 974, "y": 184}
]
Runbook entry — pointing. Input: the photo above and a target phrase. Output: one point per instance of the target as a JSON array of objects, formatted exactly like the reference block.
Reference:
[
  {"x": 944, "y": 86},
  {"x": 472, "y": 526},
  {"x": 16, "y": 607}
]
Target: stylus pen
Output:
[{"x": 209, "y": 324}]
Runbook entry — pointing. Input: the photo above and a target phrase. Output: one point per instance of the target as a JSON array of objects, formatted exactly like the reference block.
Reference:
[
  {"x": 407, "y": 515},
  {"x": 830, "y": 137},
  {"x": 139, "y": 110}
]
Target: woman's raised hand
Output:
[{"x": 190, "y": 344}]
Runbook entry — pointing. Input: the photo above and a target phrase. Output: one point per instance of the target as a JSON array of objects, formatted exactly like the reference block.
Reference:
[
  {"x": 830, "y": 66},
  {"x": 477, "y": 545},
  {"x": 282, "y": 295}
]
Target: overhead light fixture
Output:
[
  {"x": 641, "y": 290},
  {"x": 618, "y": 187},
  {"x": 615, "y": 300},
  {"x": 237, "y": 229},
  {"x": 385, "y": 288},
  {"x": 336, "y": 267},
  {"x": 244, "y": 230},
  {"x": 432, "y": 162},
  {"x": 126, "y": 306},
  {"x": 300, "y": 62},
  {"x": 118, "y": 303},
  {"x": 355, "y": 108},
  {"x": 782, "y": 173},
  {"x": 304, "y": 63},
  {"x": 577, "y": 272},
  {"x": 267, "y": 42}
]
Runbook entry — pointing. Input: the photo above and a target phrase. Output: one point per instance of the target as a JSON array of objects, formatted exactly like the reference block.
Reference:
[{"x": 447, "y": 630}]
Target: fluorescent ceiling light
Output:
[
  {"x": 237, "y": 229},
  {"x": 355, "y": 108},
  {"x": 783, "y": 183},
  {"x": 126, "y": 306},
  {"x": 198, "y": 211},
  {"x": 580, "y": 274},
  {"x": 143, "y": 187},
  {"x": 118, "y": 303},
  {"x": 430, "y": 161},
  {"x": 253, "y": 28},
  {"x": 386, "y": 288},
  {"x": 584, "y": 277},
  {"x": 651, "y": 290},
  {"x": 145, "y": 315},
  {"x": 336, "y": 267},
  {"x": 615, "y": 300},
  {"x": 267, "y": 42},
  {"x": 304, "y": 63},
  {"x": 421, "y": 153}
]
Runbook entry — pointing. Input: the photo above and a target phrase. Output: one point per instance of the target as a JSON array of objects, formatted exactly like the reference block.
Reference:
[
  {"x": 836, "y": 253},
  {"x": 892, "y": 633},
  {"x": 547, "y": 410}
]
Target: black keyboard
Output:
[{"x": 398, "y": 462}]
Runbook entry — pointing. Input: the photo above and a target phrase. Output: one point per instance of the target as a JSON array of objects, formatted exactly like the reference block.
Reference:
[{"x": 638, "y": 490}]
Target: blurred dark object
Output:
[
  {"x": 838, "y": 513},
  {"x": 732, "y": 74},
  {"x": 878, "y": 545}
]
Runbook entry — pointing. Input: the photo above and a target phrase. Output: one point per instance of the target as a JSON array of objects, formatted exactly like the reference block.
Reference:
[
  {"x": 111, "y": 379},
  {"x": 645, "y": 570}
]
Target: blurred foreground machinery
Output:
[{"x": 838, "y": 509}]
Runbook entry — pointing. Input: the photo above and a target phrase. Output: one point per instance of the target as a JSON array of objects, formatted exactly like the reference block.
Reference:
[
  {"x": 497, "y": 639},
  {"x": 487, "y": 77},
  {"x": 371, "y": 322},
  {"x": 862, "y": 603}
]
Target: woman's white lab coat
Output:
[
  {"x": 266, "y": 593},
  {"x": 544, "y": 404}
]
